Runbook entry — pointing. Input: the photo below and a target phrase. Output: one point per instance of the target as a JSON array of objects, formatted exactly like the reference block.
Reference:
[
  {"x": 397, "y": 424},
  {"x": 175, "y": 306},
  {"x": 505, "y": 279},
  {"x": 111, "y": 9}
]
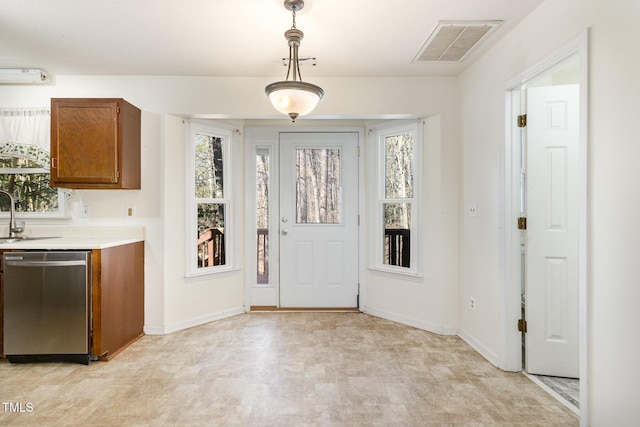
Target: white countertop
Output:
[
  {"x": 64, "y": 243},
  {"x": 72, "y": 237}
]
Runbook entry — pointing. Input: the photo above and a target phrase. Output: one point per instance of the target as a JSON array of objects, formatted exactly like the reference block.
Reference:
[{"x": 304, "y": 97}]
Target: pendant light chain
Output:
[
  {"x": 296, "y": 64},
  {"x": 293, "y": 53}
]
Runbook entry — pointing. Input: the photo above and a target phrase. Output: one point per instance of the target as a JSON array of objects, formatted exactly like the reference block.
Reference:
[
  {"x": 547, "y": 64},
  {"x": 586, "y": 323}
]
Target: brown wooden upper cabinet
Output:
[{"x": 95, "y": 143}]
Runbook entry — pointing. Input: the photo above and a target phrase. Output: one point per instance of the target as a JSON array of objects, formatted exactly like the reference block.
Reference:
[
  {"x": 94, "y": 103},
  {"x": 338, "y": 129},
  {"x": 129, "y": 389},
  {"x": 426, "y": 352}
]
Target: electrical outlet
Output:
[
  {"x": 472, "y": 303},
  {"x": 473, "y": 209},
  {"x": 130, "y": 211}
]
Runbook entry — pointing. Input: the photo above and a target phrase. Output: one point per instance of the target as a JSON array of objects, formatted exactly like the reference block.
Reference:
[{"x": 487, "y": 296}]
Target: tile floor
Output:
[
  {"x": 281, "y": 369},
  {"x": 567, "y": 388}
]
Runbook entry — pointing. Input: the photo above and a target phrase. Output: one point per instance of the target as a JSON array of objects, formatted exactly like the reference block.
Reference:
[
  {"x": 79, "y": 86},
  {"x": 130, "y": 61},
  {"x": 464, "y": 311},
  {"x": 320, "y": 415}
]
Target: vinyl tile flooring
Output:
[{"x": 281, "y": 369}]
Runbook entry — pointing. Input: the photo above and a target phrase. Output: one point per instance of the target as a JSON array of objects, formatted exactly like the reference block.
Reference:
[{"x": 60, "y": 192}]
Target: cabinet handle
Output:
[{"x": 53, "y": 163}]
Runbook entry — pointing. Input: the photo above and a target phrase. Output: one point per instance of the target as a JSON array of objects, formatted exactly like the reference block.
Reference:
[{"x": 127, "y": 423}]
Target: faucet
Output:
[{"x": 14, "y": 230}]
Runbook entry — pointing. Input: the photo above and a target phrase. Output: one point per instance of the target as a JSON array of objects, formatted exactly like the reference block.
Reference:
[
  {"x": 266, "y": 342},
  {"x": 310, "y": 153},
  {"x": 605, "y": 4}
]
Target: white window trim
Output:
[
  {"x": 377, "y": 133},
  {"x": 191, "y": 203}
]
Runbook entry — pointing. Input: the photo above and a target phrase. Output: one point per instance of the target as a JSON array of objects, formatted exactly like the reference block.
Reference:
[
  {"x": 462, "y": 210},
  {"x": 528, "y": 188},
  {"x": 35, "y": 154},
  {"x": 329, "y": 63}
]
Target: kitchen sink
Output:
[{"x": 22, "y": 239}]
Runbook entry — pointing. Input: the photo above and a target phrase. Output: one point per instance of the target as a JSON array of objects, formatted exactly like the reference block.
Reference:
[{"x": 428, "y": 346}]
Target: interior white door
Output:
[
  {"x": 552, "y": 244},
  {"x": 318, "y": 220}
]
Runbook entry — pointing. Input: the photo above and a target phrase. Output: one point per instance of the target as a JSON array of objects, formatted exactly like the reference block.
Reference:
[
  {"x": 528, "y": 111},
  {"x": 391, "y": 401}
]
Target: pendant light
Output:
[{"x": 294, "y": 97}]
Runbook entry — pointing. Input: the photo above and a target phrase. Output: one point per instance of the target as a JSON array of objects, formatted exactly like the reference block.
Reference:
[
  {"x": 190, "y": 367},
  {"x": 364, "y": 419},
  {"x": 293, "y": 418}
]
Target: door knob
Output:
[
  {"x": 285, "y": 232},
  {"x": 285, "y": 219}
]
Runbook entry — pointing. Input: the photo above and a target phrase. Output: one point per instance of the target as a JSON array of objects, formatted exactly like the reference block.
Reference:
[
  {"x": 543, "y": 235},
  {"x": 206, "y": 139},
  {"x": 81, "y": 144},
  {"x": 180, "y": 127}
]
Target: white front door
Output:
[
  {"x": 552, "y": 236},
  {"x": 318, "y": 220}
]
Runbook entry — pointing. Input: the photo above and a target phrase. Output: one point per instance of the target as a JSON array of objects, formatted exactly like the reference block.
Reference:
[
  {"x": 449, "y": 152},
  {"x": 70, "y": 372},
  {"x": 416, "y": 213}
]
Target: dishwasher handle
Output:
[{"x": 44, "y": 263}]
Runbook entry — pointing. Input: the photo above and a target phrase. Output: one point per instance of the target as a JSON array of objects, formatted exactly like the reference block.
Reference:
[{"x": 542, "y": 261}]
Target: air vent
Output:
[{"x": 453, "y": 41}]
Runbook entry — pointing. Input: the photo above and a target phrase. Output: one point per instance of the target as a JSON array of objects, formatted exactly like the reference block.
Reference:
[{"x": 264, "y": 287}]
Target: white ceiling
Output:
[{"x": 350, "y": 38}]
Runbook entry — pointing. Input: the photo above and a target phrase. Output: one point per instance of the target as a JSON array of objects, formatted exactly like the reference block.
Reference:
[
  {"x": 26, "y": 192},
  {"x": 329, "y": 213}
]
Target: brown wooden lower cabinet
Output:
[
  {"x": 117, "y": 299},
  {"x": 1, "y": 309}
]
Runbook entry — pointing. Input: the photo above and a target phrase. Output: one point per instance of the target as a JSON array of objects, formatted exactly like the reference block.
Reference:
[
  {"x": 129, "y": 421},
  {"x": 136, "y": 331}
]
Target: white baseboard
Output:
[
  {"x": 484, "y": 351},
  {"x": 427, "y": 326},
  {"x": 179, "y": 326}
]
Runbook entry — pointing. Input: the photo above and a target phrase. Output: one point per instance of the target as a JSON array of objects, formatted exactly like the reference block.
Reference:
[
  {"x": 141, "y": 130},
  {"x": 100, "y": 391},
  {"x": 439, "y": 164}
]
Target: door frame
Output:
[
  {"x": 510, "y": 258},
  {"x": 269, "y": 136}
]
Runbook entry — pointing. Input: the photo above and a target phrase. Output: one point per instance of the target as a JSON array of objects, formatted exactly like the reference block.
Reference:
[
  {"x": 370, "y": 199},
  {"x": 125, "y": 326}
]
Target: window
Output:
[
  {"x": 208, "y": 204},
  {"x": 263, "y": 182},
  {"x": 28, "y": 182},
  {"x": 24, "y": 161},
  {"x": 318, "y": 186},
  {"x": 396, "y": 237}
]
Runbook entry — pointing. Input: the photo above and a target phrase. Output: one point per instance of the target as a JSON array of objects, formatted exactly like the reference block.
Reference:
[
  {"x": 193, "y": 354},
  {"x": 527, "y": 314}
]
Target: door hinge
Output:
[
  {"x": 358, "y": 220},
  {"x": 358, "y": 288},
  {"x": 522, "y": 223},
  {"x": 522, "y": 120},
  {"x": 117, "y": 174},
  {"x": 522, "y": 325},
  {"x": 358, "y": 151},
  {"x": 118, "y": 109}
]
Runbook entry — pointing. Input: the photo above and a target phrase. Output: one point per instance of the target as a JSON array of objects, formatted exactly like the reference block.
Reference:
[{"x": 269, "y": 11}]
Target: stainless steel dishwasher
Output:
[{"x": 47, "y": 310}]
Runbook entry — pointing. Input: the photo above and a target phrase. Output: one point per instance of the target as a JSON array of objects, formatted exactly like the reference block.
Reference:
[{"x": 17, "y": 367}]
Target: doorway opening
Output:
[
  {"x": 303, "y": 240},
  {"x": 545, "y": 224}
]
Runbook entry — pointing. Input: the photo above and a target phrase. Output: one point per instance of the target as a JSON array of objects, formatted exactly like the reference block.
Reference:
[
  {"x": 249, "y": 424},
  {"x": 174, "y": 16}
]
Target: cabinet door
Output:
[
  {"x": 84, "y": 142},
  {"x": 1, "y": 305}
]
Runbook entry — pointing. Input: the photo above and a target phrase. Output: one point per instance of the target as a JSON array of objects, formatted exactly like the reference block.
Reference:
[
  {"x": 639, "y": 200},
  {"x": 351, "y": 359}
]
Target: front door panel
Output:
[{"x": 318, "y": 220}]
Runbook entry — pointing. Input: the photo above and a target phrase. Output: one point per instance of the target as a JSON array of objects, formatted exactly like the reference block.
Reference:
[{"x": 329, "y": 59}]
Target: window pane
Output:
[
  {"x": 208, "y": 167},
  {"x": 211, "y": 242},
  {"x": 262, "y": 215},
  {"x": 398, "y": 166},
  {"x": 318, "y": 186},
  {"x": 31, "y": 189},
  {"x": 18, "y": 162},
  {"x": 397, "y": 234},
  {"x": 31, "y": 192}
]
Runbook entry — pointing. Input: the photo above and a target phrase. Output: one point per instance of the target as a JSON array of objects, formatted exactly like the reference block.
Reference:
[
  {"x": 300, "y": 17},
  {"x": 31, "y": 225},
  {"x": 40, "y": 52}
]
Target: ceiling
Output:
[{"x": 349, "y": 38}]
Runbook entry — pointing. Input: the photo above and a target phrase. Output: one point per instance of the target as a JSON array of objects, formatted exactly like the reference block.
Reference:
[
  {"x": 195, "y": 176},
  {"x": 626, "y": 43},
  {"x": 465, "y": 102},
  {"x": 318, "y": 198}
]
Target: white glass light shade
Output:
[{"x": 294, "y": 98}]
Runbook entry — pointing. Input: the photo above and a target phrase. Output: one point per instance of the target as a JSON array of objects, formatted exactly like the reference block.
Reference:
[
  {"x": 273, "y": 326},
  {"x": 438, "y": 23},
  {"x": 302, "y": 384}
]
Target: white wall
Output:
[
  {"x": 173, "y": 302},
  {"x": 194, "y": 301},
  {"x": 430, "y": 300},
  {"x": 613, "y": 371}
]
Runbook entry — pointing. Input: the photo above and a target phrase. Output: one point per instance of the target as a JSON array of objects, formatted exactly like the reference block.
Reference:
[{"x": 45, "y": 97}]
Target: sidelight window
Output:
[{"x": 263, "y": 184}]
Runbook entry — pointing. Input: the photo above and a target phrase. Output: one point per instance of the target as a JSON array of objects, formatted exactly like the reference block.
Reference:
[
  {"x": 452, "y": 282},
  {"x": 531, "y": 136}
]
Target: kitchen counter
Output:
[
  {"x": 74, "y": 237},
  {"x": 62, "y": 243}
]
